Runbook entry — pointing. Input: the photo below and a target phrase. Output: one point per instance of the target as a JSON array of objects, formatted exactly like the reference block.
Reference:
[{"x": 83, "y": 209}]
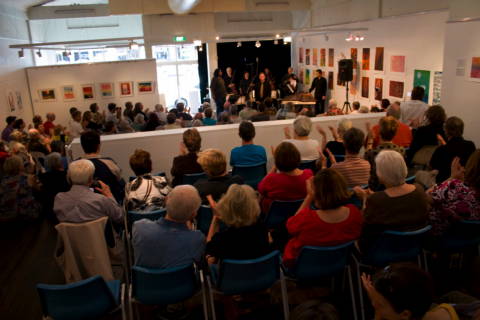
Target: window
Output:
[{"x": 177, "y": 73}]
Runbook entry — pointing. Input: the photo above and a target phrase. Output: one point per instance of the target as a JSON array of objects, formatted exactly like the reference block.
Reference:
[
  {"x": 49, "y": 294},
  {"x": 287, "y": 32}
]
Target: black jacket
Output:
[
  {"x": 267, "y": 91},
  {"x": 320, "y": 86}
]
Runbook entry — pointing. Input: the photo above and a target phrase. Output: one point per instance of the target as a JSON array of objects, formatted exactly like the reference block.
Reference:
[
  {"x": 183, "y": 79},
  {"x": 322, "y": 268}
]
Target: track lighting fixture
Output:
[
  {"x": 21, "y": 53},
  {"x": 258, "y": 44}
]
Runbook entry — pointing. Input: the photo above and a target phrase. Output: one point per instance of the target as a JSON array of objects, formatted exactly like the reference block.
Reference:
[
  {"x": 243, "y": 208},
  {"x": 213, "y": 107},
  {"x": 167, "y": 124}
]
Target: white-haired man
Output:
[
  {"x": 169, "y": 242},
  {"x": 81, "y": 204}
]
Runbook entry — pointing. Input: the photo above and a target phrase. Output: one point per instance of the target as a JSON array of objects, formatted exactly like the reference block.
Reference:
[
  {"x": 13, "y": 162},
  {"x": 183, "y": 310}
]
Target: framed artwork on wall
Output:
[
  {"x": 378, "y": 89},
  {"x": 421, "y": 78},
  {"x": 397, "y": 63},
  {"x": 106, "y": 90},
  {"x": 126, "y": 89},
  {"x": 315, "y": 57},
  {"x": 300, "y": 55},
  {"x": 365, "y": 87},
  {"x": 354, "y": 57},
  {"x": 474, "y": 71},
  {"x": 145, "y": 87},
  {"x": 330, "y": 80},
  {"x": 366, "y": 59},
  {"x": 307, "y": 76},
  {"x": 331, "y": 53},
  {"x": 307, "y": 57},
  {"x": 396, "y": 89},
  {"x": 11, "y": 101},
  {"x": 323, "y": 54},
  {"x": 68, "y": 93},
  {"x": 88, "y": 91},
  {"x": 47, "y": 95},
  {"x": 379, "y": 51},
  {"x": 19, "y": 100}
]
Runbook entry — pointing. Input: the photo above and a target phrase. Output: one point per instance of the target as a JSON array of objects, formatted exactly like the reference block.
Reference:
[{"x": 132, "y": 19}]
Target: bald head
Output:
[
  {"x": 183, "y": 203},
  {"x": 394, "y": 111}
]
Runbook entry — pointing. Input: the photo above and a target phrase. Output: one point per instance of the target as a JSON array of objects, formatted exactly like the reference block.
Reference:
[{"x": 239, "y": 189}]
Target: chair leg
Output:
[
  {"x": 204, "y": 298},
  {"x": 360, "y": 291},
  {"x": 130, "y": 303},
  {"x": 212, "y": 301},
  {"x": 425, "y": 259},
  {"x": 352, "y": 293},
  {"x": 286, "y": 310},
  {"x": 122, "y": 300}
]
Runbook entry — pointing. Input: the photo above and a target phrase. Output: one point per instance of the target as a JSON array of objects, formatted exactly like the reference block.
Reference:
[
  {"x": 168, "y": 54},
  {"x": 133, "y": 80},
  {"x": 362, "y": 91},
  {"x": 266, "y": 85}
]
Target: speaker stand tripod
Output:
[{"x": 347, "y": 108}]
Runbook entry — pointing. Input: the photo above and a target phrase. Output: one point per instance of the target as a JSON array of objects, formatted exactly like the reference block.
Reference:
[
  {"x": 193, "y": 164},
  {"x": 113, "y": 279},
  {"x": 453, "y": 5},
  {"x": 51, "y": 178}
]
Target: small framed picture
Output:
[
  {"x": 88, "y": 91},
  {"x": 68, "y": 93},
  {"x": 126, "y": 89},
  {"x": 106, "y": 90},
  {"x": 145, "y": 87},
  {"x": 47, "y": 95}
]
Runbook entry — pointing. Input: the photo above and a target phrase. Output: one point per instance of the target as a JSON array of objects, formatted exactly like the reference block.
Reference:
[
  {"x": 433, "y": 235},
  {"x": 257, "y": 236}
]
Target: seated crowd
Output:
[{"x": 347, "y": 195}]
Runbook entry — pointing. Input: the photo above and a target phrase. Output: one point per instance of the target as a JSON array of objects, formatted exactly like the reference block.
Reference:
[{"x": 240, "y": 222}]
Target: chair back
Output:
[
  {"x": 86, "y": 299},
  {"x": 396, "y": 246},
  {"x": 280, "y": 211},
  {"x": 308, "y": 164},
  {"x": 163, "y": 286},
  {"x": 243, "y": 276},
  {"x": 316, "y": 263},
  {"x": 410, "y": 180},
  {"x": 133, "y": 216},
  {"x": 252, "y": 175},
  {"x": 462, "y": 235},
  {"x": 338, "y": 158},
  {"x": 191, "y": 178},
  {"x": 204, "y": 218}
]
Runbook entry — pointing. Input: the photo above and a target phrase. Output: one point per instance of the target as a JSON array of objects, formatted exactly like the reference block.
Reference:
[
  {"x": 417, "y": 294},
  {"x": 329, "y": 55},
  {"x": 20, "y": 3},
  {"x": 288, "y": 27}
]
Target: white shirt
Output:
[
  {"x": 308, "y": 148},
  {"x": 76, "y": 129},
  {"x": 413, "y": 111}
]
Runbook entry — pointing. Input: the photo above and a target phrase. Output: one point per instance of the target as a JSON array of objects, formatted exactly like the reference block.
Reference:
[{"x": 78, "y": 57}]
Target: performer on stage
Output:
[
  {"x": 319, "y": 84},
  {"x": 262, "y": 88},
  {"x": 245, "y": 84},
  {"x": 229, "y": 80},
  {"x": 218, "y": 90}
]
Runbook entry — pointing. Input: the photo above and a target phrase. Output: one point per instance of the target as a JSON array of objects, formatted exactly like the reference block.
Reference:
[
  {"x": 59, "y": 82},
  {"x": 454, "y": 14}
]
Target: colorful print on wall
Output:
[
  {"x": 11, "y": 101},
  {"x": 126, "y": 89},
  {"x": 19, "y": 100},
  {"x": 307, "y": 57},
  {"x": 300, "y": 55},
  {"x": 144, "y": 87},
  {"x": 331, "y": 53},
  {"x": 378, "y": 89},
  {"x": 47, "y": 95},
  {"x": 475, "y": 69},
  {"x": 421, "y": 78},
  {"x": 106, "y": 90},
  {"x": 315, "y": 57},
  {"x": 330, "y": 80},
  {"x": 437, "y": 87},
  {"x": 88, "y": 92},
  {"x": 379, "y": 51},
  {"x": 323, "y": 54},
  {"x": 300, "y": 76},
  {"x": 365, "y": 86},
  {"x": 397, "y": 64},
  {"x": 307, "y": 76},
  {"x": 396, "y": 89},
  {"x": 366, "y": 59},
  {"x": 354, "y": 57},
  {"x": 68, "y": 93}
]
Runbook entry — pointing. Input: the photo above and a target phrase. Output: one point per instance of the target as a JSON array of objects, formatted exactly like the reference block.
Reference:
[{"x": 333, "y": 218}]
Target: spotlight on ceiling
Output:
[
  {"x": 277, "y": 36},
  {"x": 21, "y": 54},
  {"x": 217, "y": 38},
  {"x": 258, "y": 44},
  {"x": 200, "y": 48},
  {"x": 239, "y": 44},
  {"x": 39, "y": 53},
  {"x": 287, "y": 39}
]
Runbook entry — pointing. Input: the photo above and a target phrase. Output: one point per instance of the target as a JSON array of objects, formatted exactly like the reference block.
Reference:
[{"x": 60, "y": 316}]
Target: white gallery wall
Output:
[
  {"x": 13, "y": 84},
  {"x": 460, "y": 95},
  {"x": 419, "y": 37},
  {"x": 55, "y": 77}
]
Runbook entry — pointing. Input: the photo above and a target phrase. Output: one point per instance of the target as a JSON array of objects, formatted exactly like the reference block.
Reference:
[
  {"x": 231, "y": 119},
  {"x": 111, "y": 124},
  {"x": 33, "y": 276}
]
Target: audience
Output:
[
  {"x": 248, "y": 111},
  {"x": 181, "y": 114},
  {"x": 285, "y": 181},
  {"x": 106, "y": 169},
  {"x": 128, "y": 112},
  {"x": 153, "y": 123},
  {"x": 286, "y": 111},
  {"x": 186, "y": 162},
  {"x": 170, "y": 241},
  {"x": 457, "y": 198},
  {"x": 48, "y": 125},
  {"x": 307, "y": 147},
  {"x": 208, "y": 121},
  {"x": 333, "y": 109},
  {"x": 354, "y": 169},
  {"x": 146, "y": 192},
  {"x": 8, "y": 129},
  {"x": 17, "y": 190},
  {"x": 214, "y": 163},
  {"x": 138, "y": 110},
  {"x": 97, "y": 117},
  {"x": 81, "y": 204},
  {"x": 333, "y": 223},
  {"x": 112, "y": 114},
  {"x": 161, "y": 114},
  {"x": 355, "y": 107},
  {"x": 400, "y": 207},
  {"x": 335, "y": 146},
  {"x": 261, "y": 115},
  {"x": 402, "y": 138},
  {"x": 76, "y": 128},
  {"x": 455, "y": 146},
  {"x": 413, "y": 111},
  {"x": 248, "y": 154},
  {"x": 245, "y": 237},
  {"x": 53, "y": 181}
]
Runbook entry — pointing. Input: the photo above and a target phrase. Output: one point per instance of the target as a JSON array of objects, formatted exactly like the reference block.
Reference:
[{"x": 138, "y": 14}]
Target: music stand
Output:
[{"x": 347, "y": 108}]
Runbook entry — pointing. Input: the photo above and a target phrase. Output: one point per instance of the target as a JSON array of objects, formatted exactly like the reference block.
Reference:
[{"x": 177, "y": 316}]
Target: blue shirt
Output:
[
  {"x": 166, "y": 244},
  {"x": 209, "y": 122},
  {"x": 248, "y": 155}
]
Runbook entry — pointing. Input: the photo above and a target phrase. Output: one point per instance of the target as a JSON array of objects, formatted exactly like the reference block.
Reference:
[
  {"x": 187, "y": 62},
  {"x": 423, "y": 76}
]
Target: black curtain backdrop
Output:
[
  {"x": 203, "y": 71},
  {"x": 275, "y": 57}
]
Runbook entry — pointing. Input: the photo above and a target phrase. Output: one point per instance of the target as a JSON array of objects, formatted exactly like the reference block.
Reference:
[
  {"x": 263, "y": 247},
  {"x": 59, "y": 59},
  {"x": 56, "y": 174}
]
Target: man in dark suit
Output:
[
  {"x": 319, "y": 84},
  {"x": 262, "y": 88}
]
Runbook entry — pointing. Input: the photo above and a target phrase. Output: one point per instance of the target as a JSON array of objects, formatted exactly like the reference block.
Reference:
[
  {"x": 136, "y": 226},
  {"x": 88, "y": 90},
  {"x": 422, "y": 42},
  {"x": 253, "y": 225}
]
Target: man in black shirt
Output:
[{"x": 319, "y": 84}]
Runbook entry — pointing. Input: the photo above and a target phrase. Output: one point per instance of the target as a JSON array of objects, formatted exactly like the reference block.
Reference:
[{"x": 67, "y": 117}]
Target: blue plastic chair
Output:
[
  {"x": 252, "y": 175},
  {"x": 308, "y": 164},
  {"x": 191, "y": 178},
  {"x": 280, "y": 211},
  {"x": 86, "y": 299},
  {"x": 133, "y": 216},
  {"x": 165, "y": 286},
  {"x": 317, "y": 263},
  {"x": 246, "y": 276},
  {"x": 463, "y": 235},
  {"x": 204, "y": 218},
  {"x": 410, "y": 180}
]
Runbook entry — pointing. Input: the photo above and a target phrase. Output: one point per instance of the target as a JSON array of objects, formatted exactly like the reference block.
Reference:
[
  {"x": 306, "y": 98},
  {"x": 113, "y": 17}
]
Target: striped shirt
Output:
[{"x": 355, "y": 170}]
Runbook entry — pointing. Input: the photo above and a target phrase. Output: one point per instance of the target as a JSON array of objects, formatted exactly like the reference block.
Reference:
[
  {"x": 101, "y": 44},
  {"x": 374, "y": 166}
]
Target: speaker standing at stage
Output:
[{"x": 319, "y": 84}]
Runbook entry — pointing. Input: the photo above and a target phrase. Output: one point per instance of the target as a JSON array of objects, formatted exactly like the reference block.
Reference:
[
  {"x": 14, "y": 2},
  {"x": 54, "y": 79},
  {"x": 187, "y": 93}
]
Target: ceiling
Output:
[{"x": 25, "y": 4}]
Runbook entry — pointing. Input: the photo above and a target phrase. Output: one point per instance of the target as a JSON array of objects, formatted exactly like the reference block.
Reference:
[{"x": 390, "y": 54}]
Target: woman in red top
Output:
[
  {"x": 333, "y": 224},
  {"x": 285, "y": 181}
]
